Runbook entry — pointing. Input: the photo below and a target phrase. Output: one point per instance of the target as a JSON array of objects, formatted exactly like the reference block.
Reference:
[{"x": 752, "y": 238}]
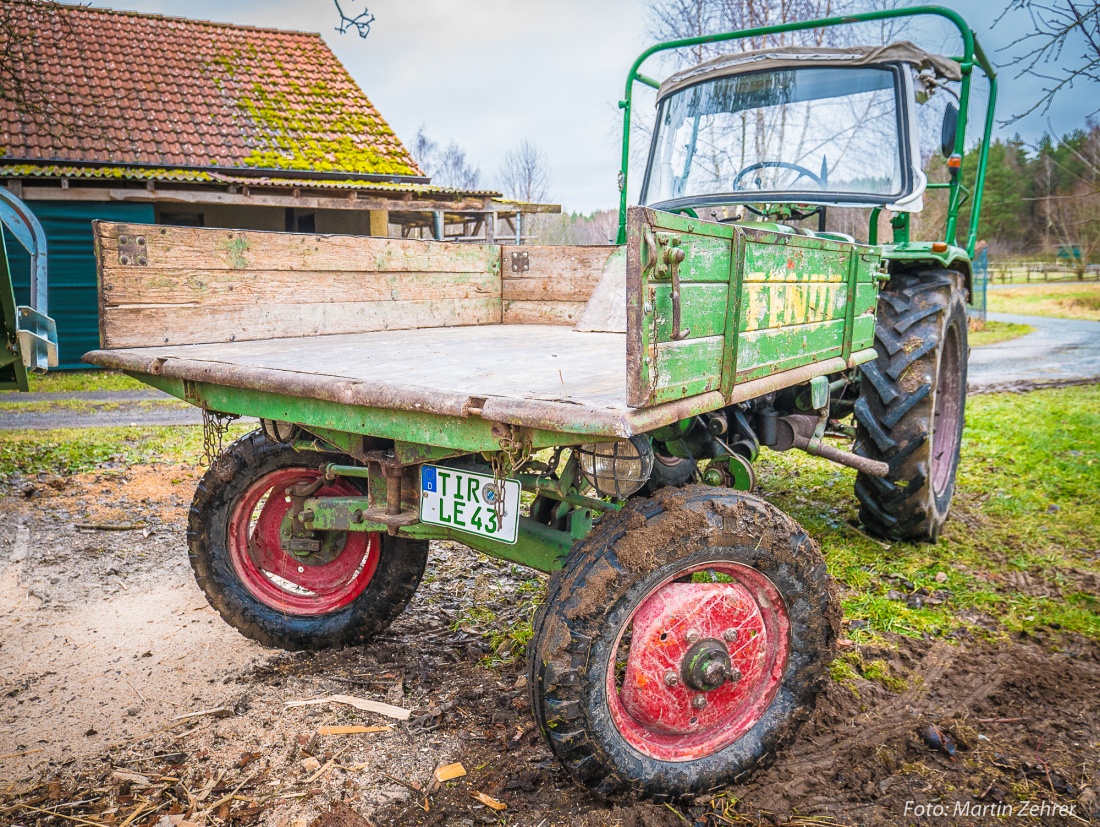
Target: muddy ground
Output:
[{"x": 105, "y": 641}]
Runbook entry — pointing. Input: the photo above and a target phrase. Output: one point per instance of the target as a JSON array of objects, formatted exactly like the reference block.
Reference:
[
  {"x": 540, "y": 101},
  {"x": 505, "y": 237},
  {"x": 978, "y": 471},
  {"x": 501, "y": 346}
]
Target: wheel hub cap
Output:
[
  {"x": 704, "y": 663},
  {"x": 707, "y": 666}
]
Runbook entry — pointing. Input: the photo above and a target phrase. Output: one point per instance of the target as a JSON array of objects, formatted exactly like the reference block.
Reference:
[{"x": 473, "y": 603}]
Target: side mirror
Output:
[{"x": 949, "y": 129}]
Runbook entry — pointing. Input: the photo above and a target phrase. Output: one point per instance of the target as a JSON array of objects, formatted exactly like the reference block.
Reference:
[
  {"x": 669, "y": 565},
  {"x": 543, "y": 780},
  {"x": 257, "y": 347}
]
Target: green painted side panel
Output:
[
  {"x": 698, "y": 309},
  {"x": 707, "y": 259},
  {"x": 800, "y": 297},
  {"x": 770, "y": 306},
  {"x": 689, "y": 367},
  {"x": 74, "y": 303},
  {"x": 757, "y": 302},
  {"x": 863, "y": 332},
  {"x": 764, "y": 352},
  {"x": 667, "y": 370},
  {"x": 780, "y": 257}
]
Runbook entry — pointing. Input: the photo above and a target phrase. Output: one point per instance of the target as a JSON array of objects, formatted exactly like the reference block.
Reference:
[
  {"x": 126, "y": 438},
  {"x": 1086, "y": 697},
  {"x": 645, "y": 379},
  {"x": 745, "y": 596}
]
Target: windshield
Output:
[{"x": 771, "y": 135}]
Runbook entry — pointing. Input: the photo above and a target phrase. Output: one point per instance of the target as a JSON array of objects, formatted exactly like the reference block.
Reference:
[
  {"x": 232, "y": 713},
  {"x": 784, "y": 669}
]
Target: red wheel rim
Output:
[
  {"x": 743, "y": 612},
  {"x": 947, "y": 422},
  {"x": 314, "y": 584}
]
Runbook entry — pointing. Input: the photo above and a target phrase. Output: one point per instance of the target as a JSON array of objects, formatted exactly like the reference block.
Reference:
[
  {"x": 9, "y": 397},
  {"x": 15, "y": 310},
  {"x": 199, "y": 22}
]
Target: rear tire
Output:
[
  {"x": 345, "y": 594},
  {"x": 912, "y": 403}
]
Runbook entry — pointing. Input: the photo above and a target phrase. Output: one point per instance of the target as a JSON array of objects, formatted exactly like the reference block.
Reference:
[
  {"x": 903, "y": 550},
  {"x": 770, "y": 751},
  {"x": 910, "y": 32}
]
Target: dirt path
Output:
[{"x": 105, "y": 640}]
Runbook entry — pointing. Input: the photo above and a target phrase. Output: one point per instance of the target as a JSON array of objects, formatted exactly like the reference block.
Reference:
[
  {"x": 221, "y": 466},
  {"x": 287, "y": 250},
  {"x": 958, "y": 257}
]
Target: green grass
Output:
[
  {"x": 85, "y": 405},
  {"x": 1079, "y": 300},
  {"x": 993, "y": 332},
  {"x": 74, "y": 381},
  {"x": 1027, "y": 501},
  {"x": 76, "y": 450}
]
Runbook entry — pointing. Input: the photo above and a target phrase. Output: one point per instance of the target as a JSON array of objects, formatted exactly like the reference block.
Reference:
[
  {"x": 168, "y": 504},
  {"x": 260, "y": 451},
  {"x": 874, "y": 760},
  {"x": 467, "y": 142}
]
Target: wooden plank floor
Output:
[{"x": 546, "y": 363}]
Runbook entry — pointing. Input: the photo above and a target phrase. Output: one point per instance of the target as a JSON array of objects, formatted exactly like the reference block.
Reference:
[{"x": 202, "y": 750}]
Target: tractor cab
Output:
[{"x": 784, "y": 134}]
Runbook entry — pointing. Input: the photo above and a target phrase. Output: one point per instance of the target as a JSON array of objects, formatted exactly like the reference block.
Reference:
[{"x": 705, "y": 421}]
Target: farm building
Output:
[{"x": 141, "y": 118}]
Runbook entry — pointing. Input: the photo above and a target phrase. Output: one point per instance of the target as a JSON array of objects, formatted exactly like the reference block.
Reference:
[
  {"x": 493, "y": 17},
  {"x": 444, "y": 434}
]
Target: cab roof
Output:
[{"x": 790, "y": 57}]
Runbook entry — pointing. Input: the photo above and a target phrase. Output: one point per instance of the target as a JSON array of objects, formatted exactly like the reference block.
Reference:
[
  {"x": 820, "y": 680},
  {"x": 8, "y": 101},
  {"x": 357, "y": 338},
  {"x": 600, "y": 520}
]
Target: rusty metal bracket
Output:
[
  {"x": 521, "y": 262},
  {"x": 675, "y": 257},
  {"x": 132, "y": 250}
]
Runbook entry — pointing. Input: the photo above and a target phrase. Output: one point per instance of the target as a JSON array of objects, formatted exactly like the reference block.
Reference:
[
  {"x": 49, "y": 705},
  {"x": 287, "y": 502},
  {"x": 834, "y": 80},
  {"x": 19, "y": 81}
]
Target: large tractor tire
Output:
[
  {"x": 912, "y": 404},
  {"x": 346, "y": 592},
  {"x": 684, "y": 643}
]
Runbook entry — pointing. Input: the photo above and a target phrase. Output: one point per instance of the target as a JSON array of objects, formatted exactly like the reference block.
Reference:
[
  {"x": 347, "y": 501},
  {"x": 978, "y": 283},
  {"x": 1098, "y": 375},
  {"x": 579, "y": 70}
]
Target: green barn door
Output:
[{"x": 74, "y": 303}]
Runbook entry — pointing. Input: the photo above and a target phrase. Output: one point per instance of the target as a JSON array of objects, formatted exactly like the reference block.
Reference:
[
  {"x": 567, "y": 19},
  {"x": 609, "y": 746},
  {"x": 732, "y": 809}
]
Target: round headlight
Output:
[
  {"x": 617, "y": 469},
  {"x": 281, "y": 432}
]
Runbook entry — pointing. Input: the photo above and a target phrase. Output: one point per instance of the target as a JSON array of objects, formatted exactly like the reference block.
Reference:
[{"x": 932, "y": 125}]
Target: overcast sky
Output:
[{"x": 490, "y": 73}]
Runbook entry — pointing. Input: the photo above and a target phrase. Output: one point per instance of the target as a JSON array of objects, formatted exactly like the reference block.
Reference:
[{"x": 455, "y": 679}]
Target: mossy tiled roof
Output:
[
  {"x": 226, "y": 176},
  {"x": 127, "y": 88}
]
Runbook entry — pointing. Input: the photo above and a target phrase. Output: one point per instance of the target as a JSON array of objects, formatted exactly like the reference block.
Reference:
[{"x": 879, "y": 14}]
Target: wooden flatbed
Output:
[
  {"x": 545, "y": 375},
  {"x": 484, "y": 331}
]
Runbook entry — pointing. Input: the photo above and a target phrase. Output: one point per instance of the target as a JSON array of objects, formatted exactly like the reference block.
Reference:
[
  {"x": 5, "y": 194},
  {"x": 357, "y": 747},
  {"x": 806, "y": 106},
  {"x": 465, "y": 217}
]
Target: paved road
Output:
[{"x": 1058, "y": 350}]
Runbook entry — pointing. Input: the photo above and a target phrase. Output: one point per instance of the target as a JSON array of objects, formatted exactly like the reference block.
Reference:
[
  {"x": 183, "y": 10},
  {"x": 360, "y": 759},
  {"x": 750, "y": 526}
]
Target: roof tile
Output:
[{"x": 127, "y": 88}]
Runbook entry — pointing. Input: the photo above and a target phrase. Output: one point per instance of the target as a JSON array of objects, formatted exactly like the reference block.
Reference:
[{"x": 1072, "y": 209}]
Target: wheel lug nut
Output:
[
  {"x": 730, "y": 635},
  {"x": 671, "y": 678},
  {"x": 699, "y": 701}
]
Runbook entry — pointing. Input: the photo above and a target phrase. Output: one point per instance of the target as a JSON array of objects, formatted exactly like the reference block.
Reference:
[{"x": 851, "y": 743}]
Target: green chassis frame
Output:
[
  {"x": 423, "y": 437},
  {"x": 972, "y": 56}
]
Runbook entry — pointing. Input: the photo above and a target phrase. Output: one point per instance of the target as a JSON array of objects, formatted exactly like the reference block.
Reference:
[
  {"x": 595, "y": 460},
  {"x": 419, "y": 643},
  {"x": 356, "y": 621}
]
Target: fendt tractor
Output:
[{"x": 411, "y": 391}]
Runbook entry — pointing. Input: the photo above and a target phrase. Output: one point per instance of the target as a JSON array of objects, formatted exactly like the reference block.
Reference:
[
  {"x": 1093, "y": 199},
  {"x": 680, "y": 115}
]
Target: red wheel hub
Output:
[
  {"x": 705, "y": 660},
  {"x": 314, "y": 583}
]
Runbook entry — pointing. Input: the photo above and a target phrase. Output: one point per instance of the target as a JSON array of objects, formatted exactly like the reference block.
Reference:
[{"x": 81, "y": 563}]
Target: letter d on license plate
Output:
[{"x": 466, "y": 501}]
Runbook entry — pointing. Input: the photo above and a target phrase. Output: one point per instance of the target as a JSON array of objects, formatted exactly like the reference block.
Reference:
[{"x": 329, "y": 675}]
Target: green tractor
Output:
[
  {"x": 411, "y": 390},
  {"x": 776, "y": 138}
]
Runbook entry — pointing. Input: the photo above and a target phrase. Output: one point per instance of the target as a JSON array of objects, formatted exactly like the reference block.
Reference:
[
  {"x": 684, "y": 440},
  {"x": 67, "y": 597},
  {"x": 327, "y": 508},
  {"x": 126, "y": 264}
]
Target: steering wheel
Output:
[{"x": 802, "y": 173}]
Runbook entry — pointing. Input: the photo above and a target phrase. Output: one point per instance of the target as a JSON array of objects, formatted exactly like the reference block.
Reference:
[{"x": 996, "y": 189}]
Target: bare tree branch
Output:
[
  {"x": 446, "y": 165},
  {"x": 1058, "y": 26},
  {"x": 525, "y": 174},
  {"x": 361, "y": 22}
]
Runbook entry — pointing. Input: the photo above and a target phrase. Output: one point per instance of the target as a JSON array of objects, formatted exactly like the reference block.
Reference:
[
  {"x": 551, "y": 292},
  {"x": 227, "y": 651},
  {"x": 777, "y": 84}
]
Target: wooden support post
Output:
[
  {"x": 379, "y": 223},
  {"x": 490, "y": 227}
]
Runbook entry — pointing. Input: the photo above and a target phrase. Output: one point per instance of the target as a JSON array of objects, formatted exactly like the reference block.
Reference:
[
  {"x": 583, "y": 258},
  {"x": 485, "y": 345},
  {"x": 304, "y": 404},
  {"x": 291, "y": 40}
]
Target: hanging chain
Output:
[
  {"x": 512, "y": 456},
  {"x": 215, "y": 426}
]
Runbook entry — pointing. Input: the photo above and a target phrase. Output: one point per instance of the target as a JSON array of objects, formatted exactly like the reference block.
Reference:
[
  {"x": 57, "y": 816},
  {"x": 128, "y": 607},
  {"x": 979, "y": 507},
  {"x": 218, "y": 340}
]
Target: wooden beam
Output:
[
  {"x": 379, "y": 223},
  {"x": 370, "y": 201}
]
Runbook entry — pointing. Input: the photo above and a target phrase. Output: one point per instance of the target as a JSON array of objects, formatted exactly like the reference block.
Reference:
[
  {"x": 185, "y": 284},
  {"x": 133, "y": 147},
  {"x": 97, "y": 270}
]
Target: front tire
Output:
[
  {"x": 662, "y": 600},
  {"x": 344, "y": 593},
  {"x": 912, "y": 404}
]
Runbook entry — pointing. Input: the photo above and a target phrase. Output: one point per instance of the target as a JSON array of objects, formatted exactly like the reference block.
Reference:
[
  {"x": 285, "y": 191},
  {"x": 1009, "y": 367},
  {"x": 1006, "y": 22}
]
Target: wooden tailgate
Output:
[
  {"x": 753, "y": 304},
  {"x": 189, "y": 285}
]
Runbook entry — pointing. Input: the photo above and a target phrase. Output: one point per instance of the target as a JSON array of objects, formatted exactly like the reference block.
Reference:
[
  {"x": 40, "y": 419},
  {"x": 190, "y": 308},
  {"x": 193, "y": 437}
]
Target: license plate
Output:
[{"x": 465, "y": 501}]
